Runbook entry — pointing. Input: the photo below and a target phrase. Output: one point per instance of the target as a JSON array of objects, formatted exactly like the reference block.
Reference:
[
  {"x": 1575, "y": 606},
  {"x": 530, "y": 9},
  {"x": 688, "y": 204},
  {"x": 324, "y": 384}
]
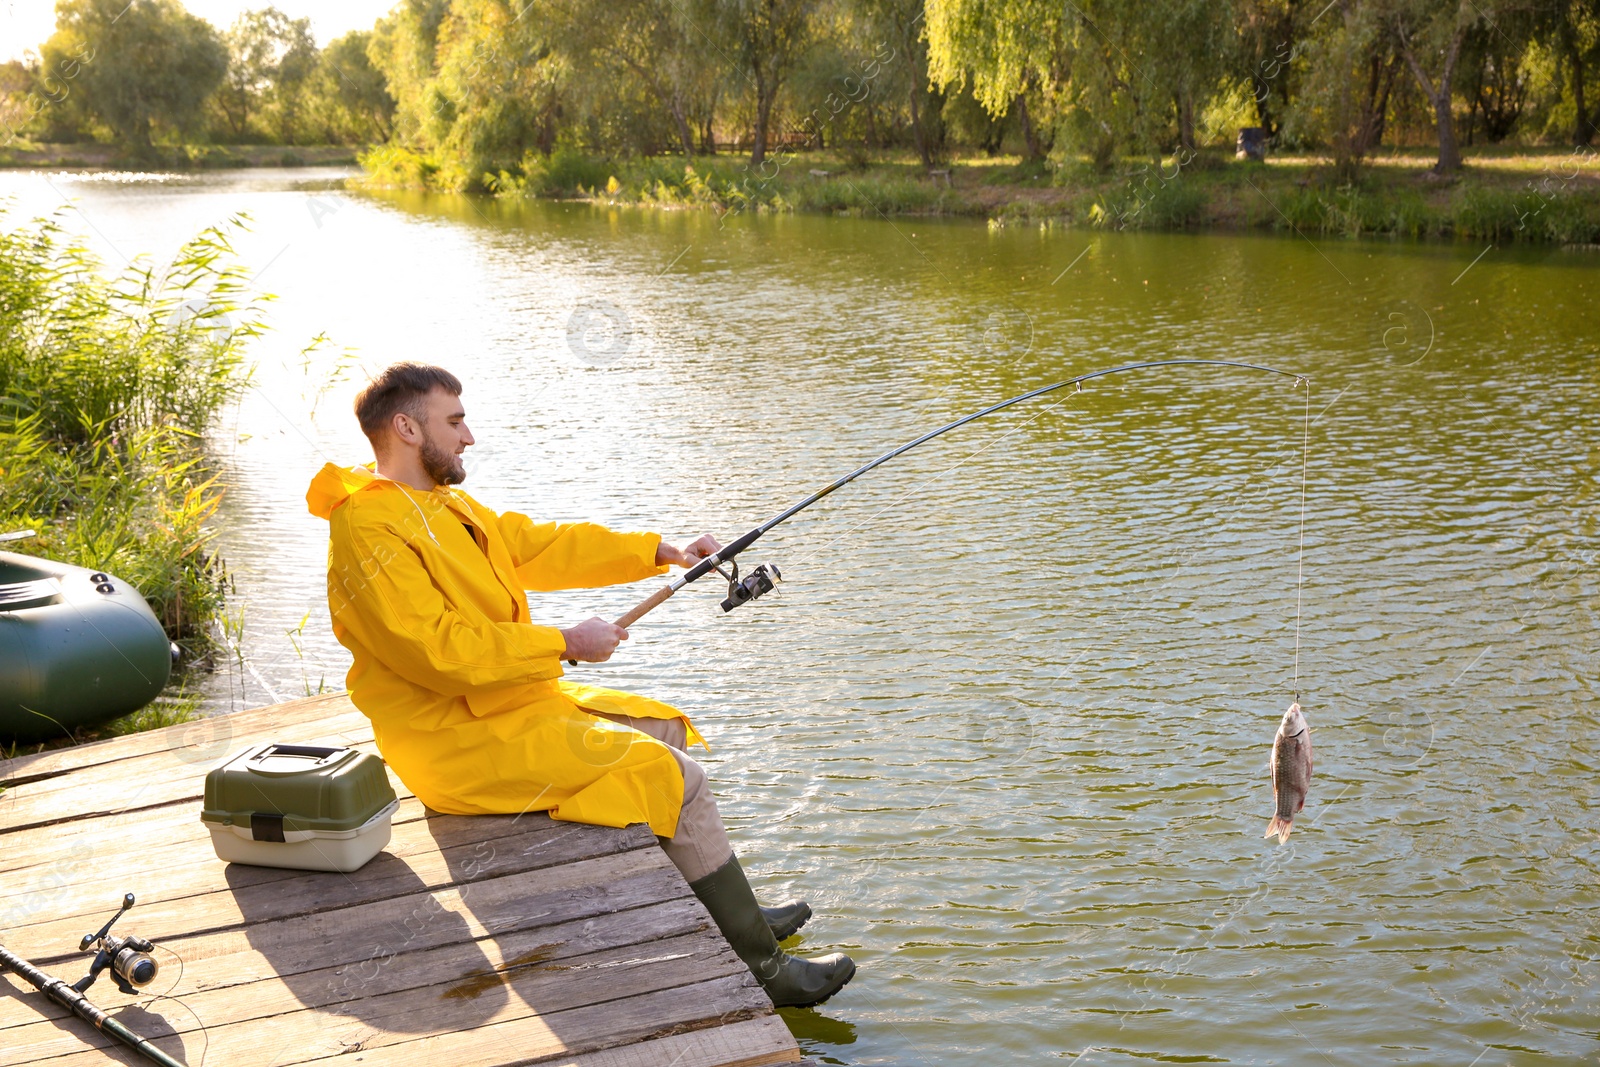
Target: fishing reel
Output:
[
  {"x": 128, "y": 958},
  {"x": 751, "y": 586}
]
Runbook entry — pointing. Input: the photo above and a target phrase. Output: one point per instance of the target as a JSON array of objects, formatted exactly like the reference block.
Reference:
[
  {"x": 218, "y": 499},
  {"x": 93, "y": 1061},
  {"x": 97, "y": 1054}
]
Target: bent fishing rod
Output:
[{"x": 762, "y": 579}]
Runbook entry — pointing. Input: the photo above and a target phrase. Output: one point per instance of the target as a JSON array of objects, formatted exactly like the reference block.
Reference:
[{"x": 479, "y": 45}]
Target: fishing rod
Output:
[
  {"x": 132, "y": 967},
  {"x": 761, "y": 580}
]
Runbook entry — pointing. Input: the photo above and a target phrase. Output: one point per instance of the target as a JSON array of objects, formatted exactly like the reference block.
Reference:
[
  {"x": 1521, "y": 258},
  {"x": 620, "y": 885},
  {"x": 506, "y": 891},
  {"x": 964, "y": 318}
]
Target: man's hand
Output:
[
  {"x": 593, "y": 640},
  {"x": 688, "y": 556}
]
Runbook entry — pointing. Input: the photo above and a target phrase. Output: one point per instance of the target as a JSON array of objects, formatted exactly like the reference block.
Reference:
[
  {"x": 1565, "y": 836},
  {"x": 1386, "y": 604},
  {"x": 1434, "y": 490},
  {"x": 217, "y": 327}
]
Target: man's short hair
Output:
[{"x": 401, "y": 387}]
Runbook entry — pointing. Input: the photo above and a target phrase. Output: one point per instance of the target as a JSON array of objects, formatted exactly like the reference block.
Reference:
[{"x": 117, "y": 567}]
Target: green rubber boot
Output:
[
  {"x": 785, "y": 920},
  {"x": 790, "y": 981}
]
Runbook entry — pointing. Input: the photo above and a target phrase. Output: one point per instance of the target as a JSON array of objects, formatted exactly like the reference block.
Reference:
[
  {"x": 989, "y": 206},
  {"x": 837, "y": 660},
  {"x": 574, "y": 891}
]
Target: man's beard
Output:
[{"x": 445, "y": 468}]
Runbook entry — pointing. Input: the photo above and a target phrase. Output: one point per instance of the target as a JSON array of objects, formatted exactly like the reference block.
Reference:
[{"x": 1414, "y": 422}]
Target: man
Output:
[{"x": 427, "y": 590}]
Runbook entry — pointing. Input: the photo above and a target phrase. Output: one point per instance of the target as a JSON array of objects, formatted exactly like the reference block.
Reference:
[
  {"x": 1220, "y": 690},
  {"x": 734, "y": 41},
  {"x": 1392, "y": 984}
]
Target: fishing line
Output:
[
  {"x": 969, "y": 457},
  {"x": 761, "y": 580},
  {"x": 1300, "y": 580},
  {"x": 204, "y": 1030}
]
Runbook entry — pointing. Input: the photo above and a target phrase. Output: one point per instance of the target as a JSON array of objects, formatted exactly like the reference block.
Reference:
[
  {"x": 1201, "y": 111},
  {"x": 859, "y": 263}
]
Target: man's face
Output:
[{"x": 444, "y": 437}]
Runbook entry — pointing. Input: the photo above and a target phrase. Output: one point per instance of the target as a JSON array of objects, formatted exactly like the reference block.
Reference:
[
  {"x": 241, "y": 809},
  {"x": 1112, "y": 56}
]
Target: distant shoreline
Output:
[
  {"x": 1536, "y": 196},
  {"x": 1531, "y": 196},
  {"x": 182, "y": 157}
]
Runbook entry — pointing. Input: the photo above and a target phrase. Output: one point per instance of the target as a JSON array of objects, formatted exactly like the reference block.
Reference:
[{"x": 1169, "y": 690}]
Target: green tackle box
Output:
[{"x": 306, "y": 807}]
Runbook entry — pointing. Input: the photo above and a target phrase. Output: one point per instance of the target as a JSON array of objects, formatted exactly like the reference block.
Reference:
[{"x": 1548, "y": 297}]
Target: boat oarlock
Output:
[{"x": 761, "y": 580}]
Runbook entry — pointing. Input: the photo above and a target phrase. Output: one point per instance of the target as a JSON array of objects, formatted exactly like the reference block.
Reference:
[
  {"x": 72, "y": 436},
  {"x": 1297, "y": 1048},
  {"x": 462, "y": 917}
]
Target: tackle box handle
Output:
[{"x": 321, "y": 756}]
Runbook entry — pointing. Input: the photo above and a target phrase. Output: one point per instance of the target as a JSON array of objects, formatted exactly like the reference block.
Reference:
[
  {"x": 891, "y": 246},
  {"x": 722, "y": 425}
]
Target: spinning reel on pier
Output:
[
  {"x": 128, "y": 958},
  {"x": 131, "y": 965}
]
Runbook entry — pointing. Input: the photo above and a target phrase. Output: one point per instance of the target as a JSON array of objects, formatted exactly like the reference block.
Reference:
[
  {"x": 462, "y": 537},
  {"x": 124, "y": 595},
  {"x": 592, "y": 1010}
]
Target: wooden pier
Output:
[{"x": 469, "y": 942}]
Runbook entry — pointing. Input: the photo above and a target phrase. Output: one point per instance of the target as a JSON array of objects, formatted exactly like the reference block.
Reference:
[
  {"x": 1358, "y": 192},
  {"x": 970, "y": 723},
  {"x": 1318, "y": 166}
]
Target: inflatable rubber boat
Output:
[{"x": 77, "y": 647}]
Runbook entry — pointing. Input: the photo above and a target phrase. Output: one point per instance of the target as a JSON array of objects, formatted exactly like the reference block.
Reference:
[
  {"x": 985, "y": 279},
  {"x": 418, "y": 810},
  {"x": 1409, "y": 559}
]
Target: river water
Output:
[{"x": 1006, "y": 722}]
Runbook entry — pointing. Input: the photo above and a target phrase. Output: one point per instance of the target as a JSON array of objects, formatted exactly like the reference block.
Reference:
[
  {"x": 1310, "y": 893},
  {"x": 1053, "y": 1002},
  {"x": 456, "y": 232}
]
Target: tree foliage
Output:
[
  {"x": 481, "y": 92},
  {"x": 141, "y": 66},
  {"x": 272, "y": 61},
  {"x": 355, "y": 103}
]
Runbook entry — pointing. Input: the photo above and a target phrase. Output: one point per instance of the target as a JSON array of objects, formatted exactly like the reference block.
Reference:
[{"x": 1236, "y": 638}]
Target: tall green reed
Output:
[{"x": 108, "y": 384}]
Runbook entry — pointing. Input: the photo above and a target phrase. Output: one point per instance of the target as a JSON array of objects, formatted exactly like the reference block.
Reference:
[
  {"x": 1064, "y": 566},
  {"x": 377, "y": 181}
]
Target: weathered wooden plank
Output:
[
  {"x": 262, "y": 992},
  {"x": 469, "y": 992},
  {"x": 520, "y": 1034},
  {"x": 750, "y": 1043},
  {"x": 446, "y": 916},
  {"x": 68, "y": 845},
  {"x": 154, "y": 773},
  {"x": 77, "y": 1037},
  {"x": 376, "y": 947},
  {"x": 220, "y": 969},
  {"x": 429, "y": 847},
  {"x": 165, "y": 779},
  {"x": 316, "y": 898},
  {"x": 517, "y": 1033},
  {"x": 207, "y": 742},
  {"x": 73, "y": 849},
  {"x": 202, "y": 732},
  {"x": 202, "y": 743}
]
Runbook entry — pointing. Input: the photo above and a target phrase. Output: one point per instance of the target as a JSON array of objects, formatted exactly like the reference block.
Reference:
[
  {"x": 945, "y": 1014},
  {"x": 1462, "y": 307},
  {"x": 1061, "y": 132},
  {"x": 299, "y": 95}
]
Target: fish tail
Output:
[{"x": 1280, "y": 826}]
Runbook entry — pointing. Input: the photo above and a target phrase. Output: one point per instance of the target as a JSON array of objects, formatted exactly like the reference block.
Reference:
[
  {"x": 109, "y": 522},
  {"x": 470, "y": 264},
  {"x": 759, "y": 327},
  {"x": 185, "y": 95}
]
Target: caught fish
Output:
[{"x": 1291, "y": 771}]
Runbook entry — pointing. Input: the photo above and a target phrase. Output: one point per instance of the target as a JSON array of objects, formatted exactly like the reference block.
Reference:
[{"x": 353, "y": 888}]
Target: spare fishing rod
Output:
[
  {"x": 131, "y": 965},
  {"x": 762, "y": 580}
]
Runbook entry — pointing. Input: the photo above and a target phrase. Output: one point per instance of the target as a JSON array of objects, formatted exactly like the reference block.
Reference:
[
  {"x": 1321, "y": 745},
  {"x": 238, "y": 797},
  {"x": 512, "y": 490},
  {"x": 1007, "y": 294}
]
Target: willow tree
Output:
[
  {"x": 404, "y": 49},
  {"x": 1352, "y": 68},
  {"x": 656, "y": 43},
  {"x": 477, "y": 82},
  {"x": 768, "y": 39},
  {"x": 272, "y": 58},
  {"x": 1496, "y": 76},
  {"x": 1270, "y": 41},
  {"x": 1123, "y": 73},
  {"x": 138, "y": 65},
  {"x": 896, "y": 28},
  {"x": 498, "y": 90},
  {"x": 1573, "y": 26},
  {"x": 1430, "y": 34},
  {"x": 350, "y": 86}
]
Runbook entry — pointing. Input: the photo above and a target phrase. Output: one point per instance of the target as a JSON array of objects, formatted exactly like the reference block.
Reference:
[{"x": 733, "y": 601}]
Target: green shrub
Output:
[
  {"x": 1176, "y": 204},
  {"x": 865, "y": 195},
  {"x": 1150, "y": 200},
  {"x": 565, "y": 172},
  {"x": 1567, "y": 219},
  {"x": 1207, "y": 188},
  {"x": 109, "y": 386},
  {"x": 394, "y": 166},
  {"x": 1302, "y": 210},
  {"x": 1489, "y": 214},
  {"x": 856, "y": 157},
  {"x": 1409, "y": 216}
]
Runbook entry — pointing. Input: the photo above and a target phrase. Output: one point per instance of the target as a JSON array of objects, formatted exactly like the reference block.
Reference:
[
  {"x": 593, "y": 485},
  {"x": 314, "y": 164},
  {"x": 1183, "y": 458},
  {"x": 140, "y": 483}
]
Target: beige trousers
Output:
[{"x": 701, "y": 844}]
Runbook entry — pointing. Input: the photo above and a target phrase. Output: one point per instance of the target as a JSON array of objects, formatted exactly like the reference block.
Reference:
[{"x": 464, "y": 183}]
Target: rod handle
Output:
[
  {"x": 640, "y": 610},
  {"x": 645, "y": 606}
]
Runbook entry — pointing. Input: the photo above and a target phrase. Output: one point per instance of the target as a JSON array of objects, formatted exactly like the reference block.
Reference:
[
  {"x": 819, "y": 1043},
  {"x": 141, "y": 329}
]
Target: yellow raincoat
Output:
[{"x": 426, "y": 590}]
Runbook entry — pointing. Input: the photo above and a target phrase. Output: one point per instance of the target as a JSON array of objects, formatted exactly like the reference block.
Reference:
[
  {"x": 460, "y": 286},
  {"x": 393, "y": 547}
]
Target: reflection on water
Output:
[{"x": 1006, "y": 722}]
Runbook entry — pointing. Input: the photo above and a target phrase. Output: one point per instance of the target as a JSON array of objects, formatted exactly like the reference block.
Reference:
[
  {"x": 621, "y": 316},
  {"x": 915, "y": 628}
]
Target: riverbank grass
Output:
[
  {"x": 1522, "y": 195},
  {"x": 109, "y": 384}
]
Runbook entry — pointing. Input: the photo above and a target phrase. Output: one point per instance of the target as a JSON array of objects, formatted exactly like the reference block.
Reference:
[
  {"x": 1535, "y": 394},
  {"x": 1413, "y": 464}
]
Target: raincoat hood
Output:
[{"x": 333, "y": 485}]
